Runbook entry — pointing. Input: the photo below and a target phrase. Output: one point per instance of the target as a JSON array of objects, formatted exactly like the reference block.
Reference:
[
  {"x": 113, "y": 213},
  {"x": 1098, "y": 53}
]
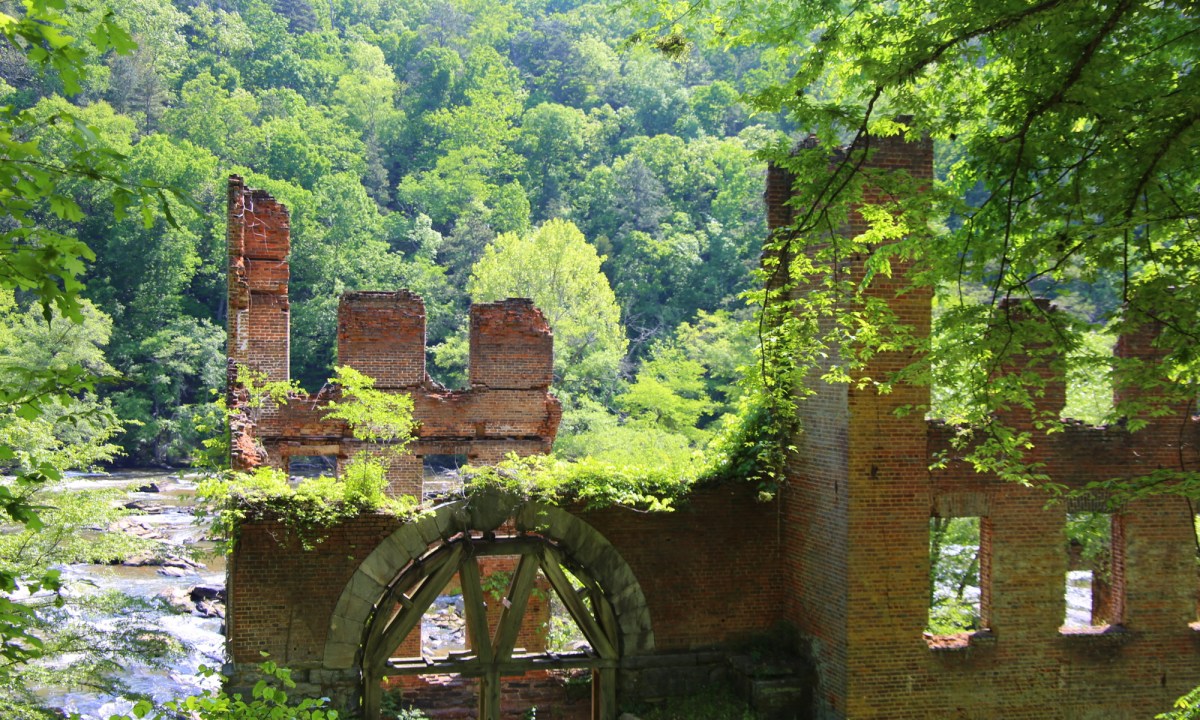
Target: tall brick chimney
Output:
[
  {"x": 258, "y": 240},
  {"x": 512, "y": 347},
  {"x": 1043, "y": 373},
  {"x": 858, "y": 459}
]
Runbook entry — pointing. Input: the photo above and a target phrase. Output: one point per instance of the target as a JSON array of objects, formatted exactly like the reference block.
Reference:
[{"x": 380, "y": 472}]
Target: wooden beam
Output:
[
  {"x": 514, "y": 609},
  {"x": 475, "y": 608},
  {"x": 607, "y": 618},
  {"x": 372, "y": 697},
  {"x": 396, "y": 600},
  {"x": 377, "y": 652},
  {"x": 489, "y": 695},
  {"x": 517, "y": 665},
  {"x": 604, "y": 694},
  {"x": 579, "y": 612}
]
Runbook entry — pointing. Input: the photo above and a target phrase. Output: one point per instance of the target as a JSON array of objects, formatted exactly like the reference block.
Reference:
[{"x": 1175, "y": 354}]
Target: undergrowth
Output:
[
  {"x": 306, "y": 508},
  {"x": 750, "y": 447}
]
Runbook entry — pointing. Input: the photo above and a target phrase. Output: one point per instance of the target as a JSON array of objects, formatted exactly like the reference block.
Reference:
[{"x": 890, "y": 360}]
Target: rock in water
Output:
[
  {"x": 199, "y": 593},
  {"x": 177, "y": 599}
]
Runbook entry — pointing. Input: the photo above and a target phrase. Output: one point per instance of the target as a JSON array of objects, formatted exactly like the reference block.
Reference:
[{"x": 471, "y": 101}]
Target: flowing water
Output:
[{"x": 169, "y": 515}]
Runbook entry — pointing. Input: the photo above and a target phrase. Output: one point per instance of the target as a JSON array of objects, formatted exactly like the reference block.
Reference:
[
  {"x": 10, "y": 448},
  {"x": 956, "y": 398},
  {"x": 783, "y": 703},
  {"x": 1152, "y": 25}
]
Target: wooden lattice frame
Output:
[{"x": 393, "y": 586}]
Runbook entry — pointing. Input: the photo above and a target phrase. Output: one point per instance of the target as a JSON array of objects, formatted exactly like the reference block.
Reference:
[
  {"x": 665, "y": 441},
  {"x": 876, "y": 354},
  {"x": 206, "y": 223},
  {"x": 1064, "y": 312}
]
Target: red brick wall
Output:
[
  {"x": 709, "y": 570},
  {"x": 258, "y": 239},
  {"x": 858, "y": 464},
  {"x": 382, "y": 334},
  {"x": 512, "y": 347},
  {"x": 281, "y": 596},
  {"x": 842, "y": 555},
  {"x": 855, "y": 552},
  {"x": 509, "y": 407},
  {"x": 705, "y": 570}
]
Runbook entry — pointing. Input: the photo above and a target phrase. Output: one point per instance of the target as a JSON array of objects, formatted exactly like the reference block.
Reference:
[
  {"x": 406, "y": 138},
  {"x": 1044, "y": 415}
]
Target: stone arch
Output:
[{"x": 484, "y": 512}]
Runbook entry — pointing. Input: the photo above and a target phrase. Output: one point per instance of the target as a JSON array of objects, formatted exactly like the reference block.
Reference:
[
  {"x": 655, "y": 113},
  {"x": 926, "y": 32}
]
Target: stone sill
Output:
[
  {"x": 960, "y": 642},
  {"x": 1095, "y": 635}
]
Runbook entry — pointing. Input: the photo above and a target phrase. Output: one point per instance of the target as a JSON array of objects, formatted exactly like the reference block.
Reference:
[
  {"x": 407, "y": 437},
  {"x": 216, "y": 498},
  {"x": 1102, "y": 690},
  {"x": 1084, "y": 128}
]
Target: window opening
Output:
[
  {"x": 957, "y": 568},
  {"x": 1092, "y": 580},
  {"x": 311, "y": 466},
  {"x": 440, "y": 474},
  {"x": 1089, "y": 379}
]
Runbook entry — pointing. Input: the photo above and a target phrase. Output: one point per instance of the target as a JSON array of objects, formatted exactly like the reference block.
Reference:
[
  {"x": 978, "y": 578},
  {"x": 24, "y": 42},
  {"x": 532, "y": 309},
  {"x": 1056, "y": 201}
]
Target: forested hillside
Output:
[{"x": 407, "y": 138}]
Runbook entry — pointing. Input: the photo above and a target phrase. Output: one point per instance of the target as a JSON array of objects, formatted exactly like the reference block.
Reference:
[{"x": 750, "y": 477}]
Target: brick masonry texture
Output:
[
  {"x": 837, "y": 566},
  {"x": 507, "y": 408},
  {"x": 856, "y": 547},
  {"x": 281, "y": 597}
]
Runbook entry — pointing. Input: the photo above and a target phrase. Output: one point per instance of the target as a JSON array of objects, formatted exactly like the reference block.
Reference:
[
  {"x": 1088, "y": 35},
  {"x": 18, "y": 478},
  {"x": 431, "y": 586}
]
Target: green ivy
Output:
[{"x": 306, "y": 509}]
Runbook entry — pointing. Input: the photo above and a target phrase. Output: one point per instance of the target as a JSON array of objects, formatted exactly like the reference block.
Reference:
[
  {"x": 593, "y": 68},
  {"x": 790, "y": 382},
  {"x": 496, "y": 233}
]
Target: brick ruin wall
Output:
[
  {"x": 702, "y": 595},
  {"x": 841, "y": 557},
  {"x": 857, "y": 507},
  {"x": 281, "y": 596},
  {"x": 507, "y": 408}
]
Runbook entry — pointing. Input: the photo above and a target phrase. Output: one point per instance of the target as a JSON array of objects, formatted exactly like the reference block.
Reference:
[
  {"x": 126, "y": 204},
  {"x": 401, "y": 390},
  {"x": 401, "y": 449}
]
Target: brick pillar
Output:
[
  {"x": 887, "y": 473},
  {"x": 512, "y": 347},
  {"x": 856, "y": 506},
  {"x": 777, "y": 195},
  {"x": 258, "y": 240},
  {"x": 382, "y": 334},
  {"x": 1141, "y": 391}
]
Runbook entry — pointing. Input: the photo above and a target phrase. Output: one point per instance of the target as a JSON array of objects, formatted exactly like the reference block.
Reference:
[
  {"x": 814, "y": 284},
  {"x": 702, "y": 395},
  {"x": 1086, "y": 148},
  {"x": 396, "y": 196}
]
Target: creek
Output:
[
  {"x": 166, "y": 504},
  {"x": 166, "y": 500}
]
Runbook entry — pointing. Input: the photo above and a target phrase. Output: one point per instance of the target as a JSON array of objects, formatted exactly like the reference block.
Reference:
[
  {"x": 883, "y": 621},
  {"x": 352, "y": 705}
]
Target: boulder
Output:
[{"x": 177, "y": 600}]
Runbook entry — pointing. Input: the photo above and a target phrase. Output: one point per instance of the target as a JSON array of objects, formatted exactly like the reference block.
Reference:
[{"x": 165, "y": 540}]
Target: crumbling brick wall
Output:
[
  {"x": 842, "y": 555},
  {"x": 507, "y": 408},
  {"x": 856, "y": 546},
  {"x": 707, "y": 571}
]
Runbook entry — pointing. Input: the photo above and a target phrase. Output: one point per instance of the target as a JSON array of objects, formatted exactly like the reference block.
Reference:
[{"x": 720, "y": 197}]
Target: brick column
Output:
[
  {"x": 382, "y": 334},
  {"x": 857, "y": 503},
  {"x": 512, "y": 347},
  {"x": 258, "y": 240},
  {"x": 1033, "y": 365}
]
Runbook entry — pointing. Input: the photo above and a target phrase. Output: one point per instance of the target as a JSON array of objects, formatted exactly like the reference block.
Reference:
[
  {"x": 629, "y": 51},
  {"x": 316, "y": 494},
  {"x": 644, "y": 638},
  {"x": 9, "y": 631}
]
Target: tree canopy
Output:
[
  {"x": 1067, "y": 143},
  {"x": 560, "y": 272}
]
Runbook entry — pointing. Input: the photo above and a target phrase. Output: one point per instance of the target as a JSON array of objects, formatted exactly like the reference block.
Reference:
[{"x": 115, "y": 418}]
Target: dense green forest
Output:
[
  {"x": 407, "y": 138},
  {"x": 469, "y": 149}
]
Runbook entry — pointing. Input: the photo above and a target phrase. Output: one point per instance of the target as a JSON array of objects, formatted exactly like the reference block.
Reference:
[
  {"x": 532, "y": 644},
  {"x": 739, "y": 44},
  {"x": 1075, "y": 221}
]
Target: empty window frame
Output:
[
  {"x": 311, "y": 466},
  {"x": 440, "y": 474},
  {"x": 959, "y": 574},
  {"x": 1095, "y": 578}
]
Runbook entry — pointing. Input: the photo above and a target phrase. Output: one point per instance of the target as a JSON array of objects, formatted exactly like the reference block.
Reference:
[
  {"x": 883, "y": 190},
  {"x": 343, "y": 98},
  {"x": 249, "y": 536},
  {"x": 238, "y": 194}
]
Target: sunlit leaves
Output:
[
  {"x": 560, "y": 272},
  {"x": 1075, "y": 139}
]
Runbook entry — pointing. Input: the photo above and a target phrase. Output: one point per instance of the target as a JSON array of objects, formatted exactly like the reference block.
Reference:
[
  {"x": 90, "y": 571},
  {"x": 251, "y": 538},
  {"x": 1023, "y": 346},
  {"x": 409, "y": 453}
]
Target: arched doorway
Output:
[{"x": 398, "y": 581}]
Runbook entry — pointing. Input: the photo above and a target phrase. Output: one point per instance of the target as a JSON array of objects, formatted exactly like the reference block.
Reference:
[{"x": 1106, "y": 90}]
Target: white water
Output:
[
  {"x": 1079, "y": 599},
  {"x": 171, "y": 513}
]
